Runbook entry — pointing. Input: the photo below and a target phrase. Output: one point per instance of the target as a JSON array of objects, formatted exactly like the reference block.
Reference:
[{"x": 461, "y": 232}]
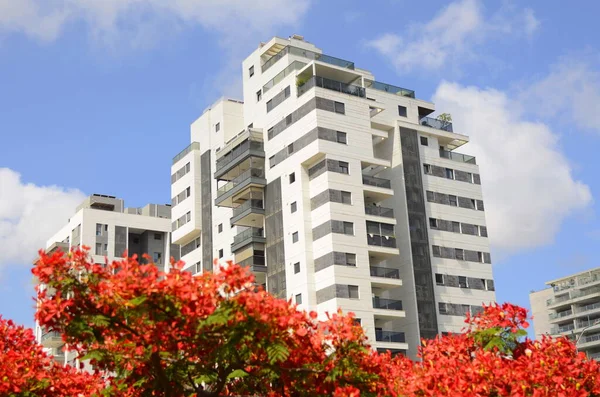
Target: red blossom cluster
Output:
[{"x": 217, "y": 334}]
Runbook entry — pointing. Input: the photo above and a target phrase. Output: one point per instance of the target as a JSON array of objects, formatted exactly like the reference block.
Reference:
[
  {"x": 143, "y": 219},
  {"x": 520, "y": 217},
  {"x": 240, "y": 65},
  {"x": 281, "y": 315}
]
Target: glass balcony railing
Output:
[
  {"x": 318, "y": 81},
  {"x": 437, "y": 124},
  {"x": 248, "y": 233},
  {"x": 573, "y": 294},
  {"x": 563, "y": 328},
  {"x": 559, "y": 299},
  {"x": 389, "y": 336},
  {"x": 590, "y": 338},
  {"x": 587, "y": 323},
  {"x": 587, "y": 308},
  {"x": 254, "y": 262},
  {"x": 463, "y": 158},
  {"x": 192, "y": 146},
  {"x": 308, "y": 55},
  {"x": 296, "y": 65},
  {"x": 385, "y": 272},
  {"x": 239, "y": 151},
  {"x": 252, "y": 172},
  {"x": 381, "y": 241},
  {"x": 252, "y": 203},
  {"x": 379, "y": 211},
  {"x": 387, "y": 304},
  {"x": 392, "y": 89},
  {"x": 566, "y": 313},
  {"x": 594, "y": 356},
  {"x": 51, "y": 335},
  {"x": 378, "y": 182}
]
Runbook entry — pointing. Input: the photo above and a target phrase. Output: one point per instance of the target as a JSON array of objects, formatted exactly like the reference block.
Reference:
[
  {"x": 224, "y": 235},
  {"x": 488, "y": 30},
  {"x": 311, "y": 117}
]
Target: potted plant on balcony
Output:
[{"x": 445, "y": 119}]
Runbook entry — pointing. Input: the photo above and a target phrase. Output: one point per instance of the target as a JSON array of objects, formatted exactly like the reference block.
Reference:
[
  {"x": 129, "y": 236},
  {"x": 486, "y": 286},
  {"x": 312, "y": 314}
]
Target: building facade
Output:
[
  {"x": 338, "y": 191},
  {"x": 103, "y": 223},
  {"x": 571, "y": 308}
]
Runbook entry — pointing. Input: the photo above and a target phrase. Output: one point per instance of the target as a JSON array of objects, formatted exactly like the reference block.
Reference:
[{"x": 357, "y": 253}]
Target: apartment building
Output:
[
  {"x": 102, "y": 223},
  {"x": 337, "y": 191},
  {"x": 570, "y": 307}
]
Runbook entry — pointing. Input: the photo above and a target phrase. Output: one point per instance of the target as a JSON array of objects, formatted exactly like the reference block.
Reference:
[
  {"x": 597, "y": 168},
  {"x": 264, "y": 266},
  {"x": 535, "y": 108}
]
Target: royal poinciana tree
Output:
[{"x": 154, "y": 334}]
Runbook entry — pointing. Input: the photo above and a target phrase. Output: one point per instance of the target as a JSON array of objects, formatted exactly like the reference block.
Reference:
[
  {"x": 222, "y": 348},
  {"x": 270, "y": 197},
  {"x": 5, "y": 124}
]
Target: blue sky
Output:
[{"x": 96, "y": 97}]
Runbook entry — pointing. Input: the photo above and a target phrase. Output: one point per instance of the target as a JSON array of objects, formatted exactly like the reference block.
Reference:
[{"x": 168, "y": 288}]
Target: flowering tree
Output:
[{"x": 217, "y": 334}]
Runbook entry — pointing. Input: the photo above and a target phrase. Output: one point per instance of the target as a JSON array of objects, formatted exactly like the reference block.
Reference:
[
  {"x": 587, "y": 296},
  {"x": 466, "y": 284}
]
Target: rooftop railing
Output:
[
  {"x": 309, "y": 55},
  {"x": 192, "y": 146}
]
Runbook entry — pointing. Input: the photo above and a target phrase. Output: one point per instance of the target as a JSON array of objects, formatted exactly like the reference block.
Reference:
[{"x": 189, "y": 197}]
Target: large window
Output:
[{"x": 339, "y": 107}]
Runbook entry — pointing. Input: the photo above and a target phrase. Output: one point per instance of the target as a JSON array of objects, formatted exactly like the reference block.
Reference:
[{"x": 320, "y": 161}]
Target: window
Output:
[
  {"x": 490, "y": 285},
  {"x": 435, "y": 251},
  {"x": 288, "y": 119},
  {"x": 353, "y": 291},
  {"x": 299, "y": 299},
  {"x": 220, "y": 253},
  {"x": 220, "y": 228},
  {"x": 341, "y": 137},
  {"x": 350, "y": 259},
  {"x": 449, "y": 173},
  {"x": 292, "y": 177},
  {"x": 98, "y": 229},
  {"x": 156, "y": 257},
  {"x": 251, "y": 71},
  {"x": 402, "y": 111},
  {"x": 349, "y": 228},
  {"x": 346, "y": 197},
  {"x": 433, "y": 223},
  {"x": 473, "y": 205},
  {"x": 424, "y": 141},
  {"x": 453, "y": 201},
  {"x": 98, "y": 249},
  {"x": 296, "y": 267},
  {"x": 258, "y": 95},
  {"x": 290, "y": 148},
  {"x": 356, "y": 321},
  {"x": 459, "y": 254},
  {"x": 442, "y": 307},
  {"x": 270, "y": 132},
  {"x": 136, "y": 240},
  {"x": 217, "y": 127},
  {"x": 339, "y": 107},
  {"x": 344, "y": 167},
  {"x": 271, "y": 161},
  {"x": 269, "y": 105},
  {"x": 480, "y": 256},
  {"x": 439, "y": 279},
  {"x": 462, "y": 282},
  {"x": 157, "y": 236},
  {"x": 188, "y": 191},
  {"x": 456, "y": 227},
  {"x": 295, "y": 237},
  {"x": 294, "y": 207},
  {"x": 483, "y": 231},
  {"x": 426, "y": 168},
  {"x": 188, "y": 216}
]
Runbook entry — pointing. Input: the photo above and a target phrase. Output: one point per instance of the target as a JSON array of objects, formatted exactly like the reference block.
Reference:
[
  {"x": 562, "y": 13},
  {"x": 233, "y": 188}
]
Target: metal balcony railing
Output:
[
  {"x": 566, "y": 313},
  {"x": 562, "y": 328},
  {"x": 256, "y": 263},
  {"x": 389, "y": 336},
  {"x": 252, "y": 172},
  {"x": 590, "y": 338},
  {"x": 378, "y": 182},
  {"x": 587, "y": 308},
  {"x": 385, "y": 272},
  {"x": 463, "y": 158},
  {"x": 381, "y": 241},
  {"x": 323, "y": 82},
  {"x": 573, "y": 294},
  {"x": 379, "y": 211},
  {"x": 252, "y": 203},
  {"x": 387, "y": 304},
  {"x": 437, "y": 124},
  {"x": 248, "y": 233}
]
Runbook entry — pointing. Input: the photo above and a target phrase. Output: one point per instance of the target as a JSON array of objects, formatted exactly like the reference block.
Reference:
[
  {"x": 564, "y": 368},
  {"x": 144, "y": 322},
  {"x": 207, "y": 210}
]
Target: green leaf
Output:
[
  {"x": 277, "y": 353},
  {"x": 238, "y": 373},
  {"x": 92, "y": 355},
  {"x": 100, "y": 320},
  {"x": 138, "y": 301}
]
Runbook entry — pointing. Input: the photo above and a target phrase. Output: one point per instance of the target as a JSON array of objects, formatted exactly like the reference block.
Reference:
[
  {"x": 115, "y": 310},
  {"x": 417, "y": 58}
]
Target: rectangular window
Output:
[
  {"x": 483, "y": 231},
  {"x": 442, "y": 307},
  {"x": 426, "y": 169},
  {"x": 187, "y": 168},
  {"x": 433, "y": 223},
  {"x": 220, "y": 253},
  {"x": 157, "y": 256},
  {"x": 339, "y": 107},
  {"x": 424, "y": 141},
  {"x": 402, "y": 111},
  {"x": 295, "y": 237},
  {"x": 157, "y": 236},
  {"x": 217, "y": 127},
  {"x": 98, "y": 249},
  {"x": 459, "y": 254},
  {"x": 269, "y": 105},
  {"x": 490, "y": 285},
  {"x": 462, "y": 281},
  {"x": 353, "y": 291},
  {"x": 287, "y": 91},
  {"x": 220, "y": 228},
  {"x": 188, "y": 191},
  {"x": 356, "y": 321},
  {"x": 480, "y": 256},
  {"x": 449, "y": 173},
  {"x": 439, "y": 279},
  {"x": 271, "y": 161},
  {"x": 341, "y": 137},
  {"x": 296, "y": 267},
  {"x": 293, "y": 207},
  {"x": 453, "y": 201},
  {"x": 344, "y": 167},
  {"x": 188, "y": 216},
  {"x": 288, "y": 119},
  {"x": 350, "y": 259},
  {"x": 298, "y": 299},
  {"x": 346, "y": 197},
  {"x": 349, "y": 228},
  {"x": 98, "y": 229},
  {"x": 106, "y": 228},
  {"x": 292, "y": 177},
  {"x": 290, "y": 148},
  {"x": 258, "y": 95},
  {"x": 435, "y": 251},
  {"x": 251, "y": 71},
  {"x": 270, "y": 132},
  {"x": 456, "y": 227}
]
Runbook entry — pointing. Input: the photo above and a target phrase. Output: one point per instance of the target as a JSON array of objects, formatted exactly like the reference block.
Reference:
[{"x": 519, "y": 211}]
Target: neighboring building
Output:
[
  {"x": 571, "y": 308},
  {"x": 338, "y": 191},
  {"x": 103, "y": 224}
]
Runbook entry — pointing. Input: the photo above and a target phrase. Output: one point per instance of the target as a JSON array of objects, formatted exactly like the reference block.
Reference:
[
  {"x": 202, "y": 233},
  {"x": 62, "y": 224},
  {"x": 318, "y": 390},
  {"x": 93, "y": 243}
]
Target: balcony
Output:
[
  {"x": 251, "y": 213},
  {"x": 318, "y": 81},
  {"x": 587, "y": 308},
  {"x": 52, "y": 339},
  {"x": 594, "y": 356},
  {"x": 563, "y": 328},
  {"x": 379, "y": 211},
  {"x": 577, "y": 293},
  {"x": 192, "y": 146},
  {"x": 381, "y": 241},
  {"x": 560, "y": 299},
  {"x": 389, "y": 336},
  {"x": 291, "y": 68},
  {"x": 377, "y": 182},
  {"x": 248, "y": 236},
  {"x": 248, "y": 144},
  {"x": 255, "y": 263},
  {"x": 250, "y": 177},
  {"x": 553, "y": 316},
  {"x": 392, "y": 89},
  {"x": 590, "y": 338},
  {"x": 308, "y": 55},
  {"x": 459, "y": 157},
  {"x": 385, "y": 272},
  {"x": 437, "y": 124},
  {"x": 386, "y": 304}
]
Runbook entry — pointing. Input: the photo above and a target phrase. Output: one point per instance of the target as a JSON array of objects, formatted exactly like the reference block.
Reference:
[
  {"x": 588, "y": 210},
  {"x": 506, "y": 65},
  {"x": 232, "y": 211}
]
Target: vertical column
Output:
[
  {"x": 274, "y": 235},
  {"x": 206, "y": 181}
]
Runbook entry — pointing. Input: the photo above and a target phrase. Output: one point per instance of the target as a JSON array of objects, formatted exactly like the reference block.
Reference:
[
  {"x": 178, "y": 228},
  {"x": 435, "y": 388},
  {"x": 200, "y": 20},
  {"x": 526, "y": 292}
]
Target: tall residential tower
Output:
[{"x": 338, "y": 191}]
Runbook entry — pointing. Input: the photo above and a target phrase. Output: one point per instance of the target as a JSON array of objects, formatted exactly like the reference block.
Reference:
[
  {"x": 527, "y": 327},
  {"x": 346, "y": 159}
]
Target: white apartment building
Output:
[
  {"x": 570, "y": 307},
  {"x": 103, "y": 223},
  {"x": 338, "y": 191}
]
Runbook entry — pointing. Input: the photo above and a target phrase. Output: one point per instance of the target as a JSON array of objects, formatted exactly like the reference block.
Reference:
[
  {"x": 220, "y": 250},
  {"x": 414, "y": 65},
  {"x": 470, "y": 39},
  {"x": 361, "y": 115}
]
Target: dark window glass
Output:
[
  {"x": 424, "y": 141},
  {"x": 402, "y": 111}
]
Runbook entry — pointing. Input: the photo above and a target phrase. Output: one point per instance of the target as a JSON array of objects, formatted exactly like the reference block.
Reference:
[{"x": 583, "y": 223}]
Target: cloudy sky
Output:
[{"x": 96, "y": 96}]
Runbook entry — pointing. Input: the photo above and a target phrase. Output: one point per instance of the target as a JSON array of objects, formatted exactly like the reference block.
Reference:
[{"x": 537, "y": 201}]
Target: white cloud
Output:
[
  {"x": 570, "y": 92},
  {"x": 452, "y": 36},
  {"x": 29, "y": 215},
  {"x": 527, "y": 182}
]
